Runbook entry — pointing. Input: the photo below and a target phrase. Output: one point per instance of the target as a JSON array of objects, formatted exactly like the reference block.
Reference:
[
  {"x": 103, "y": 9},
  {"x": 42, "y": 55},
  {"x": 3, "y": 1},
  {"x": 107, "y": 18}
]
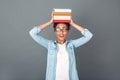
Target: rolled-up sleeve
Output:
[
  {"x": 35, "y": 34},
  {"x": 87, "y": 35}
]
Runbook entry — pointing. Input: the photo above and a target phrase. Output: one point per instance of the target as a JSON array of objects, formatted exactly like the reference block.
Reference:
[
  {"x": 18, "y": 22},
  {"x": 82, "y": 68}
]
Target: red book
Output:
[{"x": 66, "y": 21}]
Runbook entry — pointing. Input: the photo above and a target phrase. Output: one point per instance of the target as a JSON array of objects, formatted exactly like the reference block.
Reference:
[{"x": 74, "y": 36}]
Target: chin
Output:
[{"x": 62, "y": 39}]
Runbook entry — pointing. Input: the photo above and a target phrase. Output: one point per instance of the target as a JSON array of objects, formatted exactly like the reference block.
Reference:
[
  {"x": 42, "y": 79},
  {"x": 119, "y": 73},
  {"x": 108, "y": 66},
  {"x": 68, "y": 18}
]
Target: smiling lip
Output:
[{"x": 61, "y": 36}]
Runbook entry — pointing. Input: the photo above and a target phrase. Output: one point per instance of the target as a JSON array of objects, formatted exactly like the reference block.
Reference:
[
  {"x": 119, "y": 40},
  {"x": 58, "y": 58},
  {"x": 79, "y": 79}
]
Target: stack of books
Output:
[{"x": 62, "y": 15}]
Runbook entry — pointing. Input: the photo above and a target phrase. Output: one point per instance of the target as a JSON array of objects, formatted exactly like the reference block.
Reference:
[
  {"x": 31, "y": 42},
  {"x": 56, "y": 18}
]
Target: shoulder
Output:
[
  {"x": 52, "y": 44},
  {"x": 69, "y": 44}
]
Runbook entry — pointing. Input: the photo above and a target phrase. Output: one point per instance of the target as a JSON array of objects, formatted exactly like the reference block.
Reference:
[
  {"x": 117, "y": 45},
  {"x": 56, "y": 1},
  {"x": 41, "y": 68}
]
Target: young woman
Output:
[{"x": 61, "y": 63}]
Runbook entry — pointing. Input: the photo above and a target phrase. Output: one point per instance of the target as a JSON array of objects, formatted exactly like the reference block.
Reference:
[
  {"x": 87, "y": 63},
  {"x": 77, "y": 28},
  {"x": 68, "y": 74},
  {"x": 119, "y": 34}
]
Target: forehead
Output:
[{"x": 61, "y": 25}]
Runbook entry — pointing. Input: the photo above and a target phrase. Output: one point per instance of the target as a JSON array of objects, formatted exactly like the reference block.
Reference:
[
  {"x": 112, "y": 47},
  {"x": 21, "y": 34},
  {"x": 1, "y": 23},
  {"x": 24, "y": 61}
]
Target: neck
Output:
[{"x": 60, "y": 42}]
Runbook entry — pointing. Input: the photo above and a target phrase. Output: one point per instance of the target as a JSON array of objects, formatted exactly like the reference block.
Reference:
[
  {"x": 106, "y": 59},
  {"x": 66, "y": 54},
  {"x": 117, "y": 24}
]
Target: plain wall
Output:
[{"x": 21, "y": 58}]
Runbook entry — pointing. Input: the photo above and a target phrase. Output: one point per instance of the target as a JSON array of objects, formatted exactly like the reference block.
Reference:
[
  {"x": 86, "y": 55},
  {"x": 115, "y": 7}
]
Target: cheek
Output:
[
  {"x": 56, "y": 33},
  {"x": 65, "y": 34}
]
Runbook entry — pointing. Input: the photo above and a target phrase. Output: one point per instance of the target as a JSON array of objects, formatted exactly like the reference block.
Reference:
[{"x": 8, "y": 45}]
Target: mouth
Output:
[{"x": 61, "y": 36}]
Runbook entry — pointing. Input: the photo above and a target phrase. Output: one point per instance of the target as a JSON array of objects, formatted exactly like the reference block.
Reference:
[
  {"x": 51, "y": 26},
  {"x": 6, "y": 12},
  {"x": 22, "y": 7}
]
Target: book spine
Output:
[
  {"x": 62, "y": 13},
  {"x": 62, "y": 17},
  {"x": 62, "y": 10},
  {"x": 66, "y": 21}
]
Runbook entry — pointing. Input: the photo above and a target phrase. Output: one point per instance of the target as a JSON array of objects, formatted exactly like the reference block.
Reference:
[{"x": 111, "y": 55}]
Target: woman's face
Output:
[{"x": 61, "y": 32}]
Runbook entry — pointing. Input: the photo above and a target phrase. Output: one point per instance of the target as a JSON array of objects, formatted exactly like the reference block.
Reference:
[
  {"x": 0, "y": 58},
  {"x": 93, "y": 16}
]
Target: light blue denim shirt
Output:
[{"x": 52, "y": 48}]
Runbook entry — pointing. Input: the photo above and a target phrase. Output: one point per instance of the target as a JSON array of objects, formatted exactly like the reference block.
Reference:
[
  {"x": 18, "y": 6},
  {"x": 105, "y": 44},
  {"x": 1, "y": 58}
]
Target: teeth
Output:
[{"x": 61, "y": 36}]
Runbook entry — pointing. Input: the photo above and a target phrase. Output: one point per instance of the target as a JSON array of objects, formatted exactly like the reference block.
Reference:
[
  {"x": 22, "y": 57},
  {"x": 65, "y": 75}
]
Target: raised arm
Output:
[
  {"x": 45, "y": 24},
  {"x": 87, "y": 35},
  {"x": 78, "y": 27},
  {"x": 34, "y": 33}
]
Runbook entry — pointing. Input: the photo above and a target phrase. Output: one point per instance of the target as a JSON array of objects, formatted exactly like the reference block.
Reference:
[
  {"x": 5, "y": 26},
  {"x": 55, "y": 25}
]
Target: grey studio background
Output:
[{"x": 21, "y": 58}]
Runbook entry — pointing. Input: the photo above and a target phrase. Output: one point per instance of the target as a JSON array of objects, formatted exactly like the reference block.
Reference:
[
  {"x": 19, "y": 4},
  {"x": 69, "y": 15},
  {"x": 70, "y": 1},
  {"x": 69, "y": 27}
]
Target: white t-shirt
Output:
[{"x": 62, "y": 68}]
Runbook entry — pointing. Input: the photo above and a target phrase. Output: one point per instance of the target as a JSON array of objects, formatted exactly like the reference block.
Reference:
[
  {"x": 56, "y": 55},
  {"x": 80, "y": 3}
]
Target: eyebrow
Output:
[{"x": 59, "y": 27}]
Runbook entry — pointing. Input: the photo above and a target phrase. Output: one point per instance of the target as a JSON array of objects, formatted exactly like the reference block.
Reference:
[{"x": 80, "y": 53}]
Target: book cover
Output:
[{"x": 62, "y": 10}]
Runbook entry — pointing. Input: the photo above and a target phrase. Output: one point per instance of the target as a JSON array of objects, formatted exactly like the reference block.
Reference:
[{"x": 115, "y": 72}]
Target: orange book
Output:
[{"x": 62, "y": 13}]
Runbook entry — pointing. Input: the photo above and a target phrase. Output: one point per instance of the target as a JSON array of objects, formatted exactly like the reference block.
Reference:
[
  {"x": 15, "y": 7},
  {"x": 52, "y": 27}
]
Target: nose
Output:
[{"x": 61, "y": 31}]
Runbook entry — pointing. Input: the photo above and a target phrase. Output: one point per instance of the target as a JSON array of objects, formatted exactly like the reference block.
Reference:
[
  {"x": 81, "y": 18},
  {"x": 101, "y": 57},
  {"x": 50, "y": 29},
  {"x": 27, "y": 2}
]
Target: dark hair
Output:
[{"x": 67, "y": 24}]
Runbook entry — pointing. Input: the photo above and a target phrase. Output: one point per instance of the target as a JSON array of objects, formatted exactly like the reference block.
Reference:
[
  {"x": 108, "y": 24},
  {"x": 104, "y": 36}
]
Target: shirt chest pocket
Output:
[{"x": 52, "y": 50}]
